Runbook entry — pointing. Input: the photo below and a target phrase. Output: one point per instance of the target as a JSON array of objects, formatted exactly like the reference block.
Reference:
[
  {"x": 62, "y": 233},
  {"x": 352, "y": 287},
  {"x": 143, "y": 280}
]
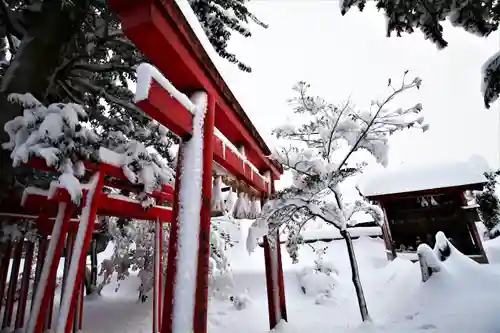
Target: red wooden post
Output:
[
  {"x": 4, "y": 269},
  {"x": 25, "y": 282},
  {"x": 11, "y": 292},
  {"x": 271, "y": 299},
  {"x": 45, "y": 288},
  {"x": 158, "y": 274},
  {"x": 166, "y": 326},
  {"x": 82, "y": 260},
  {"x": 281, "y": 283},
  {"x": 201, "y": 300},
  {"x": 80, "y": 305},
  {"x": 77, "y": 317},
  {"x": 272, "y": 284},
  {"x": 50, "y": 311}
]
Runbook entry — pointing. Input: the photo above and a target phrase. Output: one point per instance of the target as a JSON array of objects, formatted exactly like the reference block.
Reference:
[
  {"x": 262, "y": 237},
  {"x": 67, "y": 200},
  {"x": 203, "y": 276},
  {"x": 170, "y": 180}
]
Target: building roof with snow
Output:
[{"x": 400, "y": 180}]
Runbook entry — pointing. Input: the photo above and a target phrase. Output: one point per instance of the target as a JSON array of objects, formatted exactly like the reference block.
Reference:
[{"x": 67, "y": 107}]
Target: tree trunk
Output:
[
  {"x": 355, "y": 276},
  {"x": 41, "y": 51}
]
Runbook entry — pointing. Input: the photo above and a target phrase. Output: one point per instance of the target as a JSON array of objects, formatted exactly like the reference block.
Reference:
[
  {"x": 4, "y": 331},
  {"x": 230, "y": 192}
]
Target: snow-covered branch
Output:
[
  {"x": 106, "y": 67},
  {"x": 317, "y": 150},
  {"x": 60, "y": 135}
]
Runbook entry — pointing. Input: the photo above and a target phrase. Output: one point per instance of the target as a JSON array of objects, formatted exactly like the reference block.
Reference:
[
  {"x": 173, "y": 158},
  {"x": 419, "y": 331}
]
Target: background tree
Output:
[
  {"x": 219, "y": 17},
  {"x": 480, "y": 17},
  {"x": 75, "y": 51},
  {"x": 489, "y": 204},
  {"x": 318, "y": 153}
]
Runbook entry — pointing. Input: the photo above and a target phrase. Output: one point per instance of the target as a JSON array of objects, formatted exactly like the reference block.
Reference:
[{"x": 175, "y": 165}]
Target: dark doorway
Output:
[{"x": 417, "y": 220}]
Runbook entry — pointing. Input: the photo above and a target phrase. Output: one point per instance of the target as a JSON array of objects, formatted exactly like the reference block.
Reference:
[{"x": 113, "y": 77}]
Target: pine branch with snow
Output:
[
  {"x": 219, "y": 17},
  {"x": 489, "y": 204},
  {"x": 479, "y": 17},
  {"x": 60, "y": 135},
  {"x": 91, "y": 62},
  {"x": 17, "y": 230}
]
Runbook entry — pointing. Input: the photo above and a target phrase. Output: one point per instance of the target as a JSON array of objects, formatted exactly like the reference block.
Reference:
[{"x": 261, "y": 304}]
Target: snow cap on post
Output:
[
  {"x": 157, "y": 97},
  {"x": 145, "y": 75}
]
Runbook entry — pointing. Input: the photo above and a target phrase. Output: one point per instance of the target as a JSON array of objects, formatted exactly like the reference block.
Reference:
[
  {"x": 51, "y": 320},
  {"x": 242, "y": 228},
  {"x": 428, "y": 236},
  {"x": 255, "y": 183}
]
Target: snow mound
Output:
[
  {"x": 454, "y": 294},
  {"x": 317, "y": 284},
  {"x": 284, "y": 327},
  {"x": 241, "y": 301},
  {"x": 492, "y": 248}
]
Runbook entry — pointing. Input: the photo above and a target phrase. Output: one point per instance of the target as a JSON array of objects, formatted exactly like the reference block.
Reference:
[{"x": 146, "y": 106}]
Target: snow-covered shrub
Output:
[
  {"x": 321, "y": 265},
  {"x": 317, "y": 284},
  {"x": 61, "y": 135},
  {"x": 241, "y": 301},
  {"x": 320, "y": 280},
  {"x": 221, "y": 278},
  {"x": 489, "y": 204},
  {"x": 134, "y": 251}
]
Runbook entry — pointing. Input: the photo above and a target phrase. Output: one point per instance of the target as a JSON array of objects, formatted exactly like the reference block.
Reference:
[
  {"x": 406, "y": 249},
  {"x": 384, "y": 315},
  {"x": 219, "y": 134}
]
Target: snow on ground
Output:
[
  {"x": 492, "y": 248},
  {"x": 458, "y": 299}
]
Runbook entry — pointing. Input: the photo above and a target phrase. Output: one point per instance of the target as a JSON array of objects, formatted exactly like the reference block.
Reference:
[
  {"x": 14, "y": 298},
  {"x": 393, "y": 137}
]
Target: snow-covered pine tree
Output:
[
  {"x": 318, "y": 153},
  {"x": 75, "y": 51},
  {"x": 219, "y": 17},
  {"x": 480, "y": 17},
  {"x": 489, "y": 204}
]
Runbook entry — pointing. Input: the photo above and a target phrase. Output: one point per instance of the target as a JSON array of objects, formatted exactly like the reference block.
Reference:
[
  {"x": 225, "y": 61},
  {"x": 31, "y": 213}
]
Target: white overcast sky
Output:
[{"x": 351, "y": 56}]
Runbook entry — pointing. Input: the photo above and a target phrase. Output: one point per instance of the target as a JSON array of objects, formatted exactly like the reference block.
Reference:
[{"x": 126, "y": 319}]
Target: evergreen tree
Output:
[
  {"x": 219, "y": 17},
  {"x": 75, "y": 51},
  {"x": 489, "y": 204},
  {"x": 480, "y": 17},
  {"x": 71, "y": 58}
]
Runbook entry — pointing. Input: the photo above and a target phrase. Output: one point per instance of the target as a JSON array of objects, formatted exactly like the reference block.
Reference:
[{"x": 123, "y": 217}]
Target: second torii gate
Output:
[{"x": 164, "y": 32}]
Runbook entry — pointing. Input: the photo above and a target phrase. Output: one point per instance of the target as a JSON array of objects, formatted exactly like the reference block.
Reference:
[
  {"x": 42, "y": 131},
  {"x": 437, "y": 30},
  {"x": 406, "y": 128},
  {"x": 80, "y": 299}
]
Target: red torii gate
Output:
[
  {"x": 69, "y": 226},
  {"x": 163, "y": 34}
]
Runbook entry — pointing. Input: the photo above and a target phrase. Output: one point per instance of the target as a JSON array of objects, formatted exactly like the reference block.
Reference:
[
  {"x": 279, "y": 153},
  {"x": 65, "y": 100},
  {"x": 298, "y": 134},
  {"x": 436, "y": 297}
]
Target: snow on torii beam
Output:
[
  {"x": 162, "y": 33},
  {"x": 157, "y": 97}
]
